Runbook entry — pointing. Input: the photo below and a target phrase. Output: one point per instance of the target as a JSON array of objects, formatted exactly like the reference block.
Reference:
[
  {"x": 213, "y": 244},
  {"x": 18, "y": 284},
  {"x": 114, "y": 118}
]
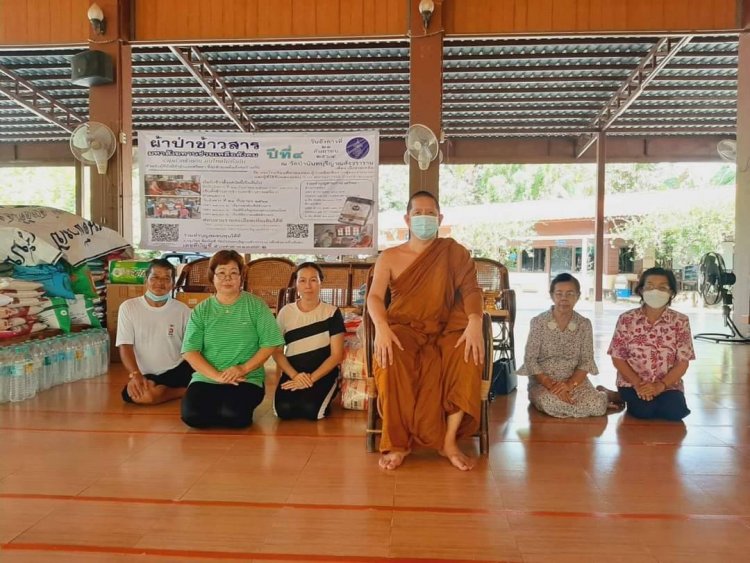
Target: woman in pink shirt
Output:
[{"x": 651, "y": 349}]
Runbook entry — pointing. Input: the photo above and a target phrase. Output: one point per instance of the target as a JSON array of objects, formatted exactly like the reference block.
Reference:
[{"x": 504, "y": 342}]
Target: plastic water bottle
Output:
[
  {"x": 17, "y": 375},
  {"x": 103, "y": 352},
  {"x": 69, "y": 360},
  {"x": 87, "y": 361},
  {"x": 58, "y": 352},
  {"x": 50, "y": 364},
  {"x": 33, "y": 369},
  {"x": 4, "y": 375}
]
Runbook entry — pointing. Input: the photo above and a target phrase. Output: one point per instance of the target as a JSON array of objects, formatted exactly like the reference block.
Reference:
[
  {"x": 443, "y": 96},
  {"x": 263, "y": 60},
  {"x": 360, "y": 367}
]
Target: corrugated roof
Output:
[{"x": 493, "y": 87}]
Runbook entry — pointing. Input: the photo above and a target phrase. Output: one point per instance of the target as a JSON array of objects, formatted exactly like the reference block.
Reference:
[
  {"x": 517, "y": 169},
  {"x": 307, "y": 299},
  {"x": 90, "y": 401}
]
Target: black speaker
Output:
[{"x": 91, "y": 68}]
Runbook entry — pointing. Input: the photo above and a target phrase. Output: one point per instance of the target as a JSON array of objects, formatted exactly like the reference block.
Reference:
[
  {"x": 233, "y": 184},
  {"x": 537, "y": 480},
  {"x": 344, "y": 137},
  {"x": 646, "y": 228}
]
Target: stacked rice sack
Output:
[
  {"x": 70, "y": 295},
  {"x": 98, "y": 270},
  {"x": 20, "y": 304},
  {"x": 354, "y": 387}
]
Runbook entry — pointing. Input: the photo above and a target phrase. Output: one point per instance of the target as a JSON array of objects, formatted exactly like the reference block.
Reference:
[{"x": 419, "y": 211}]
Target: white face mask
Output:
[{"x": 656, "y": 298}]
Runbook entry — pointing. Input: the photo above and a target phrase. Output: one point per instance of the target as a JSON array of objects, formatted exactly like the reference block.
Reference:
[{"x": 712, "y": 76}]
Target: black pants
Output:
[
  {"x": 206, "y": 405},
  {"x": 178, "y": 376},
  {"x": 669, "y": 405},
  {"x": 310, "y": 403}
]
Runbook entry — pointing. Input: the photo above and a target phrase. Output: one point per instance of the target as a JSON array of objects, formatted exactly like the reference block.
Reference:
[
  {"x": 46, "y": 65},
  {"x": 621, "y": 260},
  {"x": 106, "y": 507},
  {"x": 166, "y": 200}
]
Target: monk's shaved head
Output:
[{"x": 422, "y": 194}]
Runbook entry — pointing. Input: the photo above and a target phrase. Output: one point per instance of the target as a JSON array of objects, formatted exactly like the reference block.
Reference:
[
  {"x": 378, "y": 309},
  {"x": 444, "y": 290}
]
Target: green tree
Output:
[
  {"x": 726, "y": 175},
  {"x": 50, "y": 186},
  {"x": 679, "y": 238},
  {"x": 497, "y": 241},
  {"x": 393, "y": 184}
]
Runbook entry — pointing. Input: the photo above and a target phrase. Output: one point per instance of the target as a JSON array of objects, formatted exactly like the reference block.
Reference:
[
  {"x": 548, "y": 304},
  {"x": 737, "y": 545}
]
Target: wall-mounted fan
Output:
[
  {"x": 715, "y": 284},
  {"x": 421, "y": 145},
  {"x": 727, "y": 149},
  {"x": 93, "y": 143}
]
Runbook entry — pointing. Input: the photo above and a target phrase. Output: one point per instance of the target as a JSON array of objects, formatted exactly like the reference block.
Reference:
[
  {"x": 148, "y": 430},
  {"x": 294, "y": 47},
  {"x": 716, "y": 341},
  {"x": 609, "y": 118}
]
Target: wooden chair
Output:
[
  {"x": 340, "y": 287},
  {"x": 267, "y": 277},
  {"x": 373, "y": 414},
  {"x": 493, "y": 278},
  {"x": 195, "y": 277},
  {"x": 336, "y": 287}
]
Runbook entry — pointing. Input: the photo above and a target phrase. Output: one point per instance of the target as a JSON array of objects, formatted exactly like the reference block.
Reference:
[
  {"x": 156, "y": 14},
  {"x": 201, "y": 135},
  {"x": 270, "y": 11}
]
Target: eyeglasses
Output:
[
  {"x": 229, "y": 276},
  {"x": 561, "y": 294},
  {"x": 659, "y": 287}
]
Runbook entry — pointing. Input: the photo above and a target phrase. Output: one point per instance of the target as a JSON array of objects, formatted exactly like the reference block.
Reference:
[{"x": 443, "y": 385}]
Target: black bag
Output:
[{"x": 504, "y": 380}]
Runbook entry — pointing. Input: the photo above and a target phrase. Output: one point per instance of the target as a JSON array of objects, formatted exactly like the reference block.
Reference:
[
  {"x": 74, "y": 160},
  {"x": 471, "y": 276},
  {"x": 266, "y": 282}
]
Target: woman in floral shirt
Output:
[
  {"x": 560, "y": 355},
  {"x": 651, "y": 348}
]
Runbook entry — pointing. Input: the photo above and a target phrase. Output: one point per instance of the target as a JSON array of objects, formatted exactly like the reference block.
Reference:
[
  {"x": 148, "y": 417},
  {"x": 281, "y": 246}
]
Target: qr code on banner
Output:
[
  {"x": 297, "y": 230},
  {"x": 161, "y": 232}
]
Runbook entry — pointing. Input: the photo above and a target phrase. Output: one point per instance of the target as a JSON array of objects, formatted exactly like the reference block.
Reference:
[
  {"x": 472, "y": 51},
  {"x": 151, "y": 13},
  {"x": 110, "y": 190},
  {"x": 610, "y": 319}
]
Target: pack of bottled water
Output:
[{"x": 34, "y": 366}]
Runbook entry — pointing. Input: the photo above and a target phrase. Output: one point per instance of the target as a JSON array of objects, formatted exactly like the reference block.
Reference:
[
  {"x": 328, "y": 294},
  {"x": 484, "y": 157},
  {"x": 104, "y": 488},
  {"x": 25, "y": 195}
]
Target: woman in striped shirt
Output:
[
  {"x": 314, "y": 335},
  {"x": 227, "y": 340}
]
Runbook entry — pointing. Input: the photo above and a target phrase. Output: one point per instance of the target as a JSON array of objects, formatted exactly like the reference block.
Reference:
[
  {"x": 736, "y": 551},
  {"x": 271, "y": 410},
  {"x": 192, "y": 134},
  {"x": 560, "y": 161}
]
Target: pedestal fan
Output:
[{"x": 715, "y": 284}]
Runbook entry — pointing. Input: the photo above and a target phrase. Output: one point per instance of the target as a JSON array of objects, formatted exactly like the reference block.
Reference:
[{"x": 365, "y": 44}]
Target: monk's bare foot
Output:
[
  {"x": 457, "y": 458},
  {"x": 392, "y": 460}
]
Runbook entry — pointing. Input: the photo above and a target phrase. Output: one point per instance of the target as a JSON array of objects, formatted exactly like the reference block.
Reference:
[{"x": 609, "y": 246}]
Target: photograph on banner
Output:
[
  {"x": 165, "y": 207},
  {"x": 172, "y": 185},
  {"x": 339, "y": 235},
  {"x": 259, "y": 192}
]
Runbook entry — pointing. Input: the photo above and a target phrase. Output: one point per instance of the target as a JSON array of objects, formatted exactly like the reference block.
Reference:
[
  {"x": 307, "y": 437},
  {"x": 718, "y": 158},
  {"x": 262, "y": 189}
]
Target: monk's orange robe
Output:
[{"x": 429, "y": 379}]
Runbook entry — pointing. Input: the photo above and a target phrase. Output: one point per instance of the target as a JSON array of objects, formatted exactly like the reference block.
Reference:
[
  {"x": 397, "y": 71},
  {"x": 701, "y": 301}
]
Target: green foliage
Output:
[
  {"x": 393, "y": 187},
  {"x": 50, "y": 186},
  {"x": 679, "y": 238},
  {"x": 725, "y": 176},
  {"x": 494, "y": 240}
]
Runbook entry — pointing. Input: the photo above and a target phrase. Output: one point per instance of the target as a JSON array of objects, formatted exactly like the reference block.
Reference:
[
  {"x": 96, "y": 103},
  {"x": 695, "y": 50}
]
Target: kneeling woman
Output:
[
  {"x": 228, "y": 339},
  {"x": 314, "y": 334},
  {"x": 651, "y": 349},
  {"x": 560, "y": 355}
]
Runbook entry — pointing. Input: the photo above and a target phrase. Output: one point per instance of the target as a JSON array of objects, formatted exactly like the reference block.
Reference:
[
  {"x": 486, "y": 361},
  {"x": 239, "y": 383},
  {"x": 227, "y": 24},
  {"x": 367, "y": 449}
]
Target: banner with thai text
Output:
[{"x": 268, "y": 193}]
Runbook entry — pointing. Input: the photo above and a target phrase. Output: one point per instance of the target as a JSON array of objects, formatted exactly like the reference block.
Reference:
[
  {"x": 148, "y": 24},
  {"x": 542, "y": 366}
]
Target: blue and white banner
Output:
[{"x": 294, "y": 193}]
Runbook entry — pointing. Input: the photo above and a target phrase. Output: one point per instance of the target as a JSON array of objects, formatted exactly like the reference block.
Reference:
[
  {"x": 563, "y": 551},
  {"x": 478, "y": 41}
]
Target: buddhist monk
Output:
[{"x": 429, "y": 347}]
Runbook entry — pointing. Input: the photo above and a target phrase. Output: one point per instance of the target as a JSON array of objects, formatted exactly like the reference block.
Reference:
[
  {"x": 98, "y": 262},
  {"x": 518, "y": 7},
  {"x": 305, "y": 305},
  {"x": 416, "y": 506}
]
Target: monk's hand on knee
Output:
[
  {"x": 384, "y": 340},
  {"x": 474, "y": 342}
]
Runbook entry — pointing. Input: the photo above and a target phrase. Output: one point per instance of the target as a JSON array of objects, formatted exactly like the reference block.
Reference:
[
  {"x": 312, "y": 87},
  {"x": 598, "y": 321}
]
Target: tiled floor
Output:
[{"x": 84, "y": 477}]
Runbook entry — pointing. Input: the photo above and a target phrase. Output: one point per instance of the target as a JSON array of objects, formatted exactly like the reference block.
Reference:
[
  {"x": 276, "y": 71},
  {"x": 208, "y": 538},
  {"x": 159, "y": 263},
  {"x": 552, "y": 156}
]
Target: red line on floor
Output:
[
  {"x": 382, "y": 507},
  {"x": 191, "y": 554}
]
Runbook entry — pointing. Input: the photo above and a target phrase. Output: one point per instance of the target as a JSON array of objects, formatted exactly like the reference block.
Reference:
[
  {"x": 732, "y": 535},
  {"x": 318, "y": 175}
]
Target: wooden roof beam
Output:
[
  {"x": 28, "y": 96},
  {"x": 655, "y": 60},
  {"x": 199, "y": 67}
]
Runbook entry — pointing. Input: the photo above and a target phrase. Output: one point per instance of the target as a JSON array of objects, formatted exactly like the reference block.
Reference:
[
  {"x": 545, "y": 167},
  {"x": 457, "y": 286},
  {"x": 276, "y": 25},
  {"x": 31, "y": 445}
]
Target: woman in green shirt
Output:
[{"x": 227, "y": 340}]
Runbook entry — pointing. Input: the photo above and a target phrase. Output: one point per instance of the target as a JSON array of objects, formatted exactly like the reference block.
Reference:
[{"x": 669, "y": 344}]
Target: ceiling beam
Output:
[
  {"x": 28, "y": 96},
  {"x": 655, "y": 60},
  {"x": 198, "y": 66}
]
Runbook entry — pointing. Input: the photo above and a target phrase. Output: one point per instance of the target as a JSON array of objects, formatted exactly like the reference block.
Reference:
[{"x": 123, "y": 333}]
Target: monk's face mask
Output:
[{"x": 424, "y": 227}]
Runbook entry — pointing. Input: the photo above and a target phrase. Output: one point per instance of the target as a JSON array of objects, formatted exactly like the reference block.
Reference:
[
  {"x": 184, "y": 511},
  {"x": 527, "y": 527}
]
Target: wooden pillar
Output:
[
  {"x": 79, "y": 186},
  {"x": 425, "y": 88},
  {"x": 111, "y": 193},
  {"x": 741, "y": 290},
  {"x": 601, "y": 162}
]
